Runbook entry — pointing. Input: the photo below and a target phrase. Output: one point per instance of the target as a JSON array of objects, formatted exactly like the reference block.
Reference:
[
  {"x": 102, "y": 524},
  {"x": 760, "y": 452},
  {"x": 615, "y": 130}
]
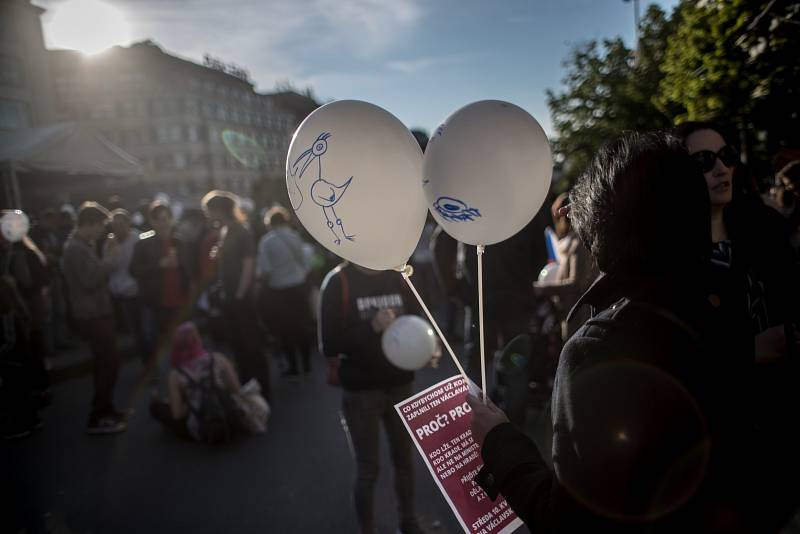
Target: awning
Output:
[{"x": 67, "y": 147}]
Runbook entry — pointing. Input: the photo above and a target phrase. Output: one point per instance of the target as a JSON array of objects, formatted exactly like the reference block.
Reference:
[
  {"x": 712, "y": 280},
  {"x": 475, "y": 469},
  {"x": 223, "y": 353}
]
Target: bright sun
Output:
[{"x": 89, "y": 26}]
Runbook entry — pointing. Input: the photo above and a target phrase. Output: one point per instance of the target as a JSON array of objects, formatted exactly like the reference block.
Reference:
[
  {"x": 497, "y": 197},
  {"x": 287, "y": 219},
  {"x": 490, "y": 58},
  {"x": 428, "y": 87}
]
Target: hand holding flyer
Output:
[{"x": 438, "y": 420}]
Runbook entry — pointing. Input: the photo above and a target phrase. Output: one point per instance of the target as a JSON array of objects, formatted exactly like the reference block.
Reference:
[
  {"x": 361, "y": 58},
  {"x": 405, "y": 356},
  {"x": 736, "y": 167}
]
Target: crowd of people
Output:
[
  {"x": 92, "y": 274},
  {"x": 663, "y": 344}
]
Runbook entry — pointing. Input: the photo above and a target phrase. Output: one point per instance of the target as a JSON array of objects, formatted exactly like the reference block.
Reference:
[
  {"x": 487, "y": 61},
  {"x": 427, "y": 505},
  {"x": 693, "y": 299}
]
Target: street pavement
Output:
[{"x": 296, "y": 478}]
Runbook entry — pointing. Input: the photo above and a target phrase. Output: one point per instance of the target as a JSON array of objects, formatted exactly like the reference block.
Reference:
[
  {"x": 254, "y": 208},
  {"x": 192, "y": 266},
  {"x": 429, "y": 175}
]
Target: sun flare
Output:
[{"x": 89, "y": 26}]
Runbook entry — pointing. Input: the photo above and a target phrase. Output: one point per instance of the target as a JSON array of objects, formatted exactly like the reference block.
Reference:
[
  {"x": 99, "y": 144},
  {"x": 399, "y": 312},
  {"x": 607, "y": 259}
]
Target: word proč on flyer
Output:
[{"x": 438, "y": 420}]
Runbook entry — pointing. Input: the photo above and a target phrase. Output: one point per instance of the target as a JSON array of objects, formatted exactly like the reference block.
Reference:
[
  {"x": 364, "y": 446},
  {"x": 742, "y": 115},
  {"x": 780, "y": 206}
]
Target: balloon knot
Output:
[{"x": 406, "y": 270}]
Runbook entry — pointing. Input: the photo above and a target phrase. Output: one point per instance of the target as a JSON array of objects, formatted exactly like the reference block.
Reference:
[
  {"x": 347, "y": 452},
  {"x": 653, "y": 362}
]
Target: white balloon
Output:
[
  {"x": 14, "y": 225},
  {"x": 409, "y": 342},
  {"x": 549, "y": 272},
  {"x": 487, "y": 170},
  {"x": 353, "y": 173}
]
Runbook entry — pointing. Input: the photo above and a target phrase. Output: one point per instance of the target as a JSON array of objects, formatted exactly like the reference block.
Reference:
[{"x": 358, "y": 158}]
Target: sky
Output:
[{"x": 419, "y": 59}]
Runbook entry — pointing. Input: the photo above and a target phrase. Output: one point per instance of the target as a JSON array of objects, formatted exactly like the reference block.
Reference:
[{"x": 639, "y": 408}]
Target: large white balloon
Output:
[
  {"x": 353, "y": 173},
  {"x": 14, "y": 225},
  {"x": 409, "y": 342},
  {"x": 487, "y": 171}
]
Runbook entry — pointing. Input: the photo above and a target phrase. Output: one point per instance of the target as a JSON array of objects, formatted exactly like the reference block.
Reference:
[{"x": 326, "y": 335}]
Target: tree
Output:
[
  {"x": 735, "y": 61},
  {"x": 609, "y": 90}
]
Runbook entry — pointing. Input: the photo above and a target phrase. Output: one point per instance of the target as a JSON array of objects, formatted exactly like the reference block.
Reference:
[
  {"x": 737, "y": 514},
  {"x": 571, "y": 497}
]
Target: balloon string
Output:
[
  {"x": 407, "y": 271},
  {"x": 480, "y": 320}
]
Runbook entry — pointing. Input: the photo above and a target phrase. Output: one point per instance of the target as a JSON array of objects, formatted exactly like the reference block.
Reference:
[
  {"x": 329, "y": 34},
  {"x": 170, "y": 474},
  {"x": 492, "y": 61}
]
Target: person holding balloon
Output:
[
  {"x": 360, "y": 312},
  {"x": 652, "y": 431}
]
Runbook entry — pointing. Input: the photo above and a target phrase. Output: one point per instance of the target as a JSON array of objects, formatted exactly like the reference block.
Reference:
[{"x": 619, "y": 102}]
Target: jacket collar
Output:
[{"x": 610, "y": 288}]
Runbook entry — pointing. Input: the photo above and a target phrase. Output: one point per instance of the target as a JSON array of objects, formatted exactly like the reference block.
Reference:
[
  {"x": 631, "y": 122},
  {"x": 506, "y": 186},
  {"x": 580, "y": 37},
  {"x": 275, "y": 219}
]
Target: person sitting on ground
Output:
[{"x": 192, "y": 364}]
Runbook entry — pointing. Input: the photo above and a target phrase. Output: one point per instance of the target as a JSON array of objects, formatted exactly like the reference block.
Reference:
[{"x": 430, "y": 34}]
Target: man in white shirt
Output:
[{"x": 282, "y": 264}]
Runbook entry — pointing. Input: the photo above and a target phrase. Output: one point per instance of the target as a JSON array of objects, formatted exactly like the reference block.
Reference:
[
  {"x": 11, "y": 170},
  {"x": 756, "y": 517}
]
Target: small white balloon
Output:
[
  {"x": 487, "y": 170},
  {"x": 353, "y": 173},
  {"x": 549, "y": 272},
  {"x": 409, "y": 342},
  {"x": 14, "y": 225}
]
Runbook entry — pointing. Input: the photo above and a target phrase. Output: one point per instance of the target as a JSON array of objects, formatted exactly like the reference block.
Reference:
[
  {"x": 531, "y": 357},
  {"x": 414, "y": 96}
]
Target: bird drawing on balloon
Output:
[{"x": 323, "y": 193}]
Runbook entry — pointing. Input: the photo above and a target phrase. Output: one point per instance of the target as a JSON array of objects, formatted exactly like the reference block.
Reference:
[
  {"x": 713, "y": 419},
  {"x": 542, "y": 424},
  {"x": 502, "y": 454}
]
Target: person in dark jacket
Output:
[
  {"x": 86, "y": 274},
  {"x": 162, "y": 271},
  {"x": 652, "y": 429},
  {"x": 234, "y": 258},
  {"x": 357, "y": 305},
  {"x": 751, "y": 246}
]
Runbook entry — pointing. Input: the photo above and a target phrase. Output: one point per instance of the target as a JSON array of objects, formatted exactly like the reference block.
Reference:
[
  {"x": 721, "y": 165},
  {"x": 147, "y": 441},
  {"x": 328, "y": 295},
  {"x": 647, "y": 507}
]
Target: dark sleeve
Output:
[
  {"x": 85, "y": 270},
  {"x": 247, "y": 244},
  {"x": 141, "y": 267},
  {"x": 618, "y": 427},
  {"x": 514, "y": 467}
]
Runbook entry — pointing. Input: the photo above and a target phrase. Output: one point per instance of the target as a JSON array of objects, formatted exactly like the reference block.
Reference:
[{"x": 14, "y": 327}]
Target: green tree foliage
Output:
[
  {"x": 609, "y": 88},
  {"x": 736, "y": 61},
  {"x": 730, "y": 61}
]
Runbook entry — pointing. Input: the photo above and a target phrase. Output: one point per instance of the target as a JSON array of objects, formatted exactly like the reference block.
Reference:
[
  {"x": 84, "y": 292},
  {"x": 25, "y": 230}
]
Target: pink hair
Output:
[{"x": 186, "y": 345}]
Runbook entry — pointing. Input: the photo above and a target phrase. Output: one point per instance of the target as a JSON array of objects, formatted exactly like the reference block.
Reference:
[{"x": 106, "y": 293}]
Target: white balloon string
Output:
[
  {"x": 406, "y": 271},
  {"x": 480, "y": 321}
]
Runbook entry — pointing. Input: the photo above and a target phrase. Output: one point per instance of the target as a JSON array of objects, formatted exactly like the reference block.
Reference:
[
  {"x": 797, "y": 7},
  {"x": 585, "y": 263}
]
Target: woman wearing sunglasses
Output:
[
  {"x": 751, "y": 242},
  {"x": 754, "y": 282}
]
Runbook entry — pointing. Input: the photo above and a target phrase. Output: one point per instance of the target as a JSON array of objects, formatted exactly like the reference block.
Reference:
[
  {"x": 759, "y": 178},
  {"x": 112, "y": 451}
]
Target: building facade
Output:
[
  {"x": 26, "y": 97},
  {"x": 193, "y": 127}
]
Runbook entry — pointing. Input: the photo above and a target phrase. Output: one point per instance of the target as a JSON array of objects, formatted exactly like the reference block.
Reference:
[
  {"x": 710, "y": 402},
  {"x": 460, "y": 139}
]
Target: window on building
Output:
[
  {"x": 213, "y": 135},
  {"x": 191, "y": 134},
  {"x": 176, "y": 133},
  {"x": 180, "y": 161},
  {"x": 162, "y": 134}
]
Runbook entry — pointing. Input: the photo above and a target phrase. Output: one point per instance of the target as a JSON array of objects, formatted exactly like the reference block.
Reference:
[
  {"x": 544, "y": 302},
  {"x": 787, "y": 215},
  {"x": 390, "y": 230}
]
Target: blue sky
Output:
[{"x": 419, "y": 59}]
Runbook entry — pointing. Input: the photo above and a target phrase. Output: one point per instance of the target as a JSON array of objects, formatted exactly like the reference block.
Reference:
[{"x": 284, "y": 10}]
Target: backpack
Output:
[{"x": 215, "y": 416}]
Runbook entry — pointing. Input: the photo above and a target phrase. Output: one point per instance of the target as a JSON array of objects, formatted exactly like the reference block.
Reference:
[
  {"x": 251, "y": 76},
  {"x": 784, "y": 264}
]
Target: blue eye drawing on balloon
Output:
[
  {"x": 455, "y": 210},
  {"x": 323, "y": 193}
]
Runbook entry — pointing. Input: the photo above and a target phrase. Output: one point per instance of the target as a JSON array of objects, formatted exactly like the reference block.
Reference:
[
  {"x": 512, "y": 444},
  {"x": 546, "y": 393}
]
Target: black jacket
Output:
[
  {"x": 349, "y": 301},
  {"x": 652, "y": 425},
  {"x": 145, "y": 268}
]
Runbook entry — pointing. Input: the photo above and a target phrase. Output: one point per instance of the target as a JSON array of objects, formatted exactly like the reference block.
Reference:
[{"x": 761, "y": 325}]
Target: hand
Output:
[
  {"x": 770, "y": 344},
  {"x": 484, "y": 417},
  {"x": 383, "y": 319}
]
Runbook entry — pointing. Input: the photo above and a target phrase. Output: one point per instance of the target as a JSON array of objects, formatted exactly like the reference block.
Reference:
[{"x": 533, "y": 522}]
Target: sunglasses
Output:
[{"x": 707, "y": 159}]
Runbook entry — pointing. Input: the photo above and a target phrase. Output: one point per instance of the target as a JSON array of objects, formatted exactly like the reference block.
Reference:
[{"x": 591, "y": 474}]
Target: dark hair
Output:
[
  {"x": 685, "y": 129},
  {"x": 224, "y": 202},
  {"x": 642, "y": 206},
  {"x": 156, "y": 208},
  {"x": 121, "y": 212},
  {"x": 277, "y": 215},
  {"x": 743, "y": 180},
  {"x": 91, "y": 213}
]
